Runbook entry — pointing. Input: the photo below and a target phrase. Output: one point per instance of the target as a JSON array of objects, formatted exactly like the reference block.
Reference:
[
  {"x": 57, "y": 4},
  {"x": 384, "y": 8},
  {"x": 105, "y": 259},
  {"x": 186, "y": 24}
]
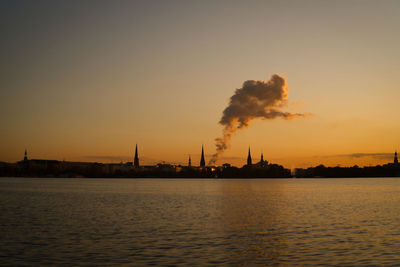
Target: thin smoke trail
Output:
[{"x": 255, "y": 99}]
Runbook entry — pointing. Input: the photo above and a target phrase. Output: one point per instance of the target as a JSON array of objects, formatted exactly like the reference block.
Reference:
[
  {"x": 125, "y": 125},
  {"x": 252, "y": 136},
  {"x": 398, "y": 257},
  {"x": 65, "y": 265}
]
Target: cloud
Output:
[{"x": 372, "y": 155}]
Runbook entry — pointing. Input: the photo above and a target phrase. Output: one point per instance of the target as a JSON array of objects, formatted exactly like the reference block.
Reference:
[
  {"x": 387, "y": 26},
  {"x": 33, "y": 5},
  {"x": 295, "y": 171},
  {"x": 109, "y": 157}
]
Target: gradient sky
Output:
[{"x": 87, "y": 80}]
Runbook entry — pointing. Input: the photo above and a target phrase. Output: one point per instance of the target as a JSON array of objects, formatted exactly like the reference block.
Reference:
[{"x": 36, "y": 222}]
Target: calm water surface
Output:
[{"x": 199, "y": 222}]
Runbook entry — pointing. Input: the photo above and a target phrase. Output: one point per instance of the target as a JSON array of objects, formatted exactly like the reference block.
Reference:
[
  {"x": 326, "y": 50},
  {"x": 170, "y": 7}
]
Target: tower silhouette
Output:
[
  {"x": 190, "y": 162},
  {"x": 249, "y": 158},
  {"x": 262, "y": 158},
  {"x": 396, "y": 161},
  {"x": 26, "y": 156},
  {"x": 202, "y": 161},
  {"x": 136, "y": 161}
]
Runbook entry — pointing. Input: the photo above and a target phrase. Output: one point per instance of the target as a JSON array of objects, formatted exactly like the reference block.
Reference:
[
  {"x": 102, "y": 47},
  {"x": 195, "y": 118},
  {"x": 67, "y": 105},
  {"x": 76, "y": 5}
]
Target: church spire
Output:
[
  {"x": 136, "y": 161},
  {"x": 26, "y": 155},
  {"x": 249, "y": 158},
  {"x": 262, "y": 158},
  {"x": 202, "y": 161},
  {"x": 396, "y": 161},
  {"x": 190, "y": 162}
]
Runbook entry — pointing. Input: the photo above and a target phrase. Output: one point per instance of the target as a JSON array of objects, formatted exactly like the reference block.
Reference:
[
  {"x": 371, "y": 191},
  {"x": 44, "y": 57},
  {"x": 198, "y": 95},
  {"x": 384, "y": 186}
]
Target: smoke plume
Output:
[{"x": 256, "y": 99}]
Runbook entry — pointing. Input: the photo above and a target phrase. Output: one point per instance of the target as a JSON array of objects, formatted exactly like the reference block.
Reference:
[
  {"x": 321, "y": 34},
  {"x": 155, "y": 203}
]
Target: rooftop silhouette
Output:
[{"x": 261, "y": 169}]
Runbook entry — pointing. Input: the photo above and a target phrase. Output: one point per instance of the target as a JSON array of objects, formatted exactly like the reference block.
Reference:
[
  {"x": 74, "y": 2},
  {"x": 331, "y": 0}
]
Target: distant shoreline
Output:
[
  {"x": 199, "y": 178},
  {"x": 129, "y": 170}
]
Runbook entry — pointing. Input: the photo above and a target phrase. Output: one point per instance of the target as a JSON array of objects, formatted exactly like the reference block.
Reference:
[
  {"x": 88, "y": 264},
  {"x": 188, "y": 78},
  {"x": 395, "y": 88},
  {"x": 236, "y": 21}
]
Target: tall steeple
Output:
[
  {"x": 136, "y": 161},
  {"x": 396, "y": 161},
  {"x": 249, "y": 158},
  {"x": 190, "y": 162},
  {"x": 26, "y": 155},
  {"x": 202, "y": 161},
  {"x": 262, "y": 158}
]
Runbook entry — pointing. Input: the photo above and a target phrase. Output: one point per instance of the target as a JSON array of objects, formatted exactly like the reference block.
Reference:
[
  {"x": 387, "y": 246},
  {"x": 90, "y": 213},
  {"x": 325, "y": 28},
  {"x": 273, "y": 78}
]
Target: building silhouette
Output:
[
  {"x": 202, "y": 161},
  {"x": 31, "y": 167},
  {"x": 262, "y": 163},
  {"x": 249, "y": 158},
  {"x": 136, "y": 160}
]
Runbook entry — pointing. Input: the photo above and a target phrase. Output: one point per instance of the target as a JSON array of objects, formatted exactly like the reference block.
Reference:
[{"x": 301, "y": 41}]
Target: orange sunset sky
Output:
[{"x": 86, "y": 81}]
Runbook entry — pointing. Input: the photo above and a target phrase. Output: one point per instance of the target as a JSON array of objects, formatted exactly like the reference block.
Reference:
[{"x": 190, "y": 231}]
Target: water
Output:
[{"x": 199, "y": 222}]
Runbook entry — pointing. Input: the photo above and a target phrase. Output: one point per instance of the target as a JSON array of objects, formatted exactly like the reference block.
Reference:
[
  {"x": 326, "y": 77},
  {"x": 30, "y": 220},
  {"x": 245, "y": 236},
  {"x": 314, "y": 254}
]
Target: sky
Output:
[{"x": 87, "y": 80}]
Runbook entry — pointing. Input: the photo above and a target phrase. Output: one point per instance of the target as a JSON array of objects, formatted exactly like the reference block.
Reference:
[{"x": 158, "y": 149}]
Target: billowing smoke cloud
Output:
[{"x": 256, "y": 99}]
